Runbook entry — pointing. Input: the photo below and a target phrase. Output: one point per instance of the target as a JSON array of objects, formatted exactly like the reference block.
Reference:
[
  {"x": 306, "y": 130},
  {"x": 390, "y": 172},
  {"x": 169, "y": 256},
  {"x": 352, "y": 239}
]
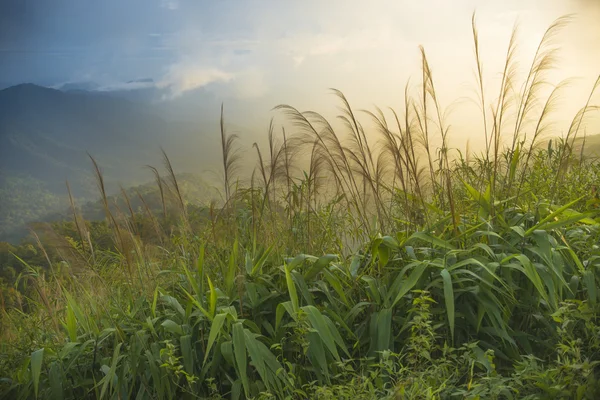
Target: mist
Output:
[{"x": 255, "y": 55}]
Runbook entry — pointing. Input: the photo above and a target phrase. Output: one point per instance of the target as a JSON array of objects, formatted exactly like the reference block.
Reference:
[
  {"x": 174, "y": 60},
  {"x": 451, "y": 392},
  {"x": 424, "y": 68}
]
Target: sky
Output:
[{"x": 263, "y": 53}]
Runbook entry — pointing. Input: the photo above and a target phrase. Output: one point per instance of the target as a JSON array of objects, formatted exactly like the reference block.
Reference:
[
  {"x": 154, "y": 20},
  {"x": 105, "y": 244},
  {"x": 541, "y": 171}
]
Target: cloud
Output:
[
  {"x": 181, "y": 78},
  {"x": 133, "y": 85}
]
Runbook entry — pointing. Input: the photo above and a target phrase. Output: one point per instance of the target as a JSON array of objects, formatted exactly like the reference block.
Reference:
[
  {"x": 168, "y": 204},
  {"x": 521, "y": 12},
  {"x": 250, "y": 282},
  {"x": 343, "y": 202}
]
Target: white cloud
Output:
[
  {"x": 135, "y": 85},
  {"x": 185, "y": 77}
]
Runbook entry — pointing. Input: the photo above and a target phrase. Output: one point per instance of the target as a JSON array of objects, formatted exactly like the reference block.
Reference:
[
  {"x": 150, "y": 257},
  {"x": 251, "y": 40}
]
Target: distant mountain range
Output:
[{"x": 47, "y": 133}]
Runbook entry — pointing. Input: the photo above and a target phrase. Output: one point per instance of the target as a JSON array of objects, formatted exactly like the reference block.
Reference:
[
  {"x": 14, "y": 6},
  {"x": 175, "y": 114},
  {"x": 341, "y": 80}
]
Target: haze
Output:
[{"x": 262, "y": 53}]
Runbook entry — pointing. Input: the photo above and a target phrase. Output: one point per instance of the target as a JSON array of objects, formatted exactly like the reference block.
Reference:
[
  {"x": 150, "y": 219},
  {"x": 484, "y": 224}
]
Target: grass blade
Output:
[
  {"x": 449, "y": 299},
  {"x": 36, "y": 368}
]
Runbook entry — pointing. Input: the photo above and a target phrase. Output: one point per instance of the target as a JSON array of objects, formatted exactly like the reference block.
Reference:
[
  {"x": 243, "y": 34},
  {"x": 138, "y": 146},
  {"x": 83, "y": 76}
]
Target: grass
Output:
[{"x": 356, "y": 263}]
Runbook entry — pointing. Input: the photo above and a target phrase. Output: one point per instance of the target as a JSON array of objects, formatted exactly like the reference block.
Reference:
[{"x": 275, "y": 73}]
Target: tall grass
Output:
[{"x": 358, "y": 263}]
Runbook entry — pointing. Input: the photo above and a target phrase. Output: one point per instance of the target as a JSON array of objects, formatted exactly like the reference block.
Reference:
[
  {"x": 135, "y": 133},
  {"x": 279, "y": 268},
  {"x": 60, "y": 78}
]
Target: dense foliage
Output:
[{"x": 376, "y": 267}]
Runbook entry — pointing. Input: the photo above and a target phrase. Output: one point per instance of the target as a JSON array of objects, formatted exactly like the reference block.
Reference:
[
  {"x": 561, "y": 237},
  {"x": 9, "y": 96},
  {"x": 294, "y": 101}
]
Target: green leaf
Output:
[
  {"x": 154, "y": 302},
  {"x": 71, "y": 324},
  {"x": 173, "y": 303},
  {"x": 301, "y": 284},
  {"x": 264, "y": 361},
  {"x": 425, "y": 237},
  {"x": 590, "y": 284},
  {"x": 212, "y": 303},
  {"x": 197, "y": 304},
  {"x": 187, "y": 352},
  {"x": 257, "y": 268},
  {"x": 110, "y": 374},
  {"x": 482, "y": 199},
  {"x": 318, "y": 323},
  {"x": 384, "y": 329},
  {"x": 239, "y": 348},
  {"x": 552, "y": 215},
  {"x": 200, "y": 271},
  {"x": 172, "y": 326},
  {"x": 384, "y": 255},
  {"x": 355, "y": 265},
  {"x": 55, "y": 377},
  {"x": 316, "y": 354},
  {"x": 449, "y": 299},
  {"x": 531, "y": 273},
  {"x": 335, "y": 333},
  {"x": 336, "y": 284},
  {"x": 409, "y": 283},
  {"x": 36, "y": 368},
  {"x": 279, "y": 312},
  {"x": 373, "y": 289},
  {"x": 291, "y": 288},
  {"x": 215, "y": 329},
  {"x": 321, "y": 263},
  {"x": 567, "y": 221}
]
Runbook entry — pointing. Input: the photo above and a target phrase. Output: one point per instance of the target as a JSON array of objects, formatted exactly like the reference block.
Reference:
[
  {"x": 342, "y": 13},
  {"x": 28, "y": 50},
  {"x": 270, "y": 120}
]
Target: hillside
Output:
[{"x": 46, "y": 135}]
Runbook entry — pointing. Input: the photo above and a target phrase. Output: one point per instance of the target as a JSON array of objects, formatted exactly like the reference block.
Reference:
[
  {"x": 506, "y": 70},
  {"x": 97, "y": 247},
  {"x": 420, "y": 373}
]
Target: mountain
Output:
[
  {"x": 77, "y": 86},
  {"x": 46, "y": 135}
]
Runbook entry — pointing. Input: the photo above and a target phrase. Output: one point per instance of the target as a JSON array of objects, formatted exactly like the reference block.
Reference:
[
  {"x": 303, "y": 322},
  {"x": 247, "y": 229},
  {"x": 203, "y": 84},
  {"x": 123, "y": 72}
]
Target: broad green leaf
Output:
[
  {"x": 567, "y": 221},
  {"x": 532, "y": 274},
  {"x": 36, "y": 368},
  {"x": 173, "y": 303},
  {"x": 355, "y": 265},
  {"x": 187, "y": 352},
  {"x": 231, "y": 268},
  {"x": 264, "y": 361},
  {"x": 590, "y": 284},
  {"x": 449, "y": 299},
  {"x": 384, "y": 329},
  {"x": 56, "y": 379},
  {"x": 239, "y": 349},
  {"x": 553, "y": 214},
  {"x": 215, "y": 329},
  {"x": 317, "y": 266},
  {"x": 257, "y": 267},
  {"x": 482, "y": 199},
  {"x": 373, "y": 289},
  {"x": 154, "y": 302},
  {"x": 172, "y": 326},
  {"x": 410, "y": 282},
  {"x": 110, "y": 374},
  {"x": 384, "y": 255},
  {"x": 71, "y": 324},
  {"x": 316, "y": 354},
  {"x": 212, "y": 303},
  {"x": 336, "y": 334},
  {"x": 336, "y": 284},
  {"x": 318, "y": 323},
  {"x": 197, "y": 304},
  {"x": 425, "y": 237},
  {"x": 279, "y": 312},
  {"x": 291, "y": 288},
  {"x": 301, "y": 284}
]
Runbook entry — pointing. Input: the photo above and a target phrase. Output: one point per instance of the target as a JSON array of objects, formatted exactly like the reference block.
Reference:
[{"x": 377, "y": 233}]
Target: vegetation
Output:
[
  {"x": 376, "y": 267},
  {"x": 24, "y": 200}
]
